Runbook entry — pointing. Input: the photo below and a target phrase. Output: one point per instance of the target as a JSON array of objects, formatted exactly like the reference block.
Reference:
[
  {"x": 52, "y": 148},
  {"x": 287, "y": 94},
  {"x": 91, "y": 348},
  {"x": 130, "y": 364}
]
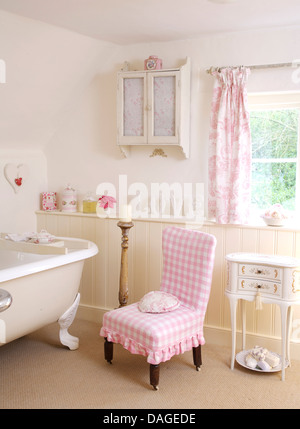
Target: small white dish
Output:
[
  {"x": 42, "y": 237},
  {"x": 273, "y": 221},
  {"x": 44, "y": 240}
]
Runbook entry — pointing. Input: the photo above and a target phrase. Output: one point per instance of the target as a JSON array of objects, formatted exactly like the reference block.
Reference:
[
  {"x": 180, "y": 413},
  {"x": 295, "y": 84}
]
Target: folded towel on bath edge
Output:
[{"x": 20, "y": 237}]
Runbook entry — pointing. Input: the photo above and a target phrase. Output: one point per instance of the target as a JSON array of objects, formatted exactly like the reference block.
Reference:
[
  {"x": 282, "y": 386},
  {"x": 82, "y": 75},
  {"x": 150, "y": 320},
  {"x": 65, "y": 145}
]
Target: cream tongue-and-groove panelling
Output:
[{"x": 100, "y": 281}]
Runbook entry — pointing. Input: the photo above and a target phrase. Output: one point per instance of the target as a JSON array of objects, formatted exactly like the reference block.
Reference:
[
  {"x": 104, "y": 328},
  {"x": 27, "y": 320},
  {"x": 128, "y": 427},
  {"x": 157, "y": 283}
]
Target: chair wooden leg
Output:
[
  {"x": 108, "y": 350},
  {"x": 154, "y": 376},
  {"x": 197, "y": 357}
]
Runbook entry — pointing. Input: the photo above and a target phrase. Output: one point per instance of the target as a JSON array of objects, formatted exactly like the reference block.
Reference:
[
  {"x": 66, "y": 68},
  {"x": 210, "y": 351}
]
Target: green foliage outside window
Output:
[{"x": 274, "y": 135}]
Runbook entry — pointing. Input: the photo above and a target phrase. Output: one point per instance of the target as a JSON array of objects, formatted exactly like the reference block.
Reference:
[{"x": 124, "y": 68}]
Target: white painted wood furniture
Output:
[
  {"x": 267, "y": 279},
  {"x": 154, "y": 108}
]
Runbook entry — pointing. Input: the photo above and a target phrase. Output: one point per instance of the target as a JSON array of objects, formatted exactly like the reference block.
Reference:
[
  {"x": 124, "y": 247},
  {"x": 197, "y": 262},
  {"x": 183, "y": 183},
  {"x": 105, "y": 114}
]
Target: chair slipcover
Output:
[{"x": 187, "y": 273}]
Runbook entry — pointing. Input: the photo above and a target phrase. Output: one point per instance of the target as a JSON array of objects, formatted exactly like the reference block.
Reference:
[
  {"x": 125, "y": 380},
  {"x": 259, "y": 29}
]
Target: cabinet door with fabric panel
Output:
[{"x": 154, "y": 108}]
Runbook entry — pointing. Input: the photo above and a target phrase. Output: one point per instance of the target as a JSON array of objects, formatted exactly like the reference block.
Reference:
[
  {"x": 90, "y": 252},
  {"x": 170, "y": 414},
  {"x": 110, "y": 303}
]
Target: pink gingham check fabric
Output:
[{"x": 188, "y": 266}]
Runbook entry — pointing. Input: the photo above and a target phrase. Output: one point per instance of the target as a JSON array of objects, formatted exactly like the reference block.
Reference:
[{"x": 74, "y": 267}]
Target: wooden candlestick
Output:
[{"x": 123, "y": 289}]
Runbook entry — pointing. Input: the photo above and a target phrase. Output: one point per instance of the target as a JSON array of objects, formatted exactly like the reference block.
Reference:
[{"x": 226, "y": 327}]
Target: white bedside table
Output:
[{"x": 276, "y": 278}]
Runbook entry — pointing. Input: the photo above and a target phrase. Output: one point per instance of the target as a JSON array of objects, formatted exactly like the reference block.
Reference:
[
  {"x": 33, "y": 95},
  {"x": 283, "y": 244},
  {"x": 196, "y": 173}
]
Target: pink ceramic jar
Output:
[{"x": 69, "y": 200}]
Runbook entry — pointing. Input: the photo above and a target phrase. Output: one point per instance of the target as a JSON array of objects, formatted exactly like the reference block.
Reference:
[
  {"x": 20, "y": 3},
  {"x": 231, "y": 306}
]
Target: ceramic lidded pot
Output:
[{"x": 69, "y": 200}]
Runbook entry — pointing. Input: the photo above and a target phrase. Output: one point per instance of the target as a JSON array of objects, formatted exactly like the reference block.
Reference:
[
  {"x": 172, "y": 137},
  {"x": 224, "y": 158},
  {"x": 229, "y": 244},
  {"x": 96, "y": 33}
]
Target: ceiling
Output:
[{"x": 146, "y": 21}]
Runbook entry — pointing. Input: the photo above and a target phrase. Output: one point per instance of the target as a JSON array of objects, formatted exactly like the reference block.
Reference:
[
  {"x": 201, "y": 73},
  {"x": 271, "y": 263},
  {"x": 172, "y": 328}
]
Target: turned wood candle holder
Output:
[{"x": 123, "y": 289}]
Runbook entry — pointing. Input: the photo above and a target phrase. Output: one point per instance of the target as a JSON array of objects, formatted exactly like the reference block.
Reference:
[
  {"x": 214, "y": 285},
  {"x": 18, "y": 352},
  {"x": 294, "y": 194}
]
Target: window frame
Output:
[{"x": 280, "y": 100}]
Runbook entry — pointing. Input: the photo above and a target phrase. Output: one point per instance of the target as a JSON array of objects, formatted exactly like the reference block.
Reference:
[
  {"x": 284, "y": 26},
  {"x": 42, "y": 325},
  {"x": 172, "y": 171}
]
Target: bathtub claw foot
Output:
[
  {"x": 68, "y": 340},
  {"x": 65, "y": 321}
]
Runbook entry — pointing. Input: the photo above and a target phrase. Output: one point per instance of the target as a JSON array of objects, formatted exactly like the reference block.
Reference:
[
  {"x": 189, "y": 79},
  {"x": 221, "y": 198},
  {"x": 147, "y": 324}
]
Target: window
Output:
[{"x": 274, "y": 122}]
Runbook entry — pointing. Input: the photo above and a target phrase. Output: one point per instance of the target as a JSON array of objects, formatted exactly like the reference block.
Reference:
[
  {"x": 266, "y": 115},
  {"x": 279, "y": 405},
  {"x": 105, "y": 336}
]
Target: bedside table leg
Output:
[
  {"x": 289, "y": 327},
  {"x": 244, "y": 324},
  {"x": 233, "y": 304},
  {"x": 284, "y": 315}
]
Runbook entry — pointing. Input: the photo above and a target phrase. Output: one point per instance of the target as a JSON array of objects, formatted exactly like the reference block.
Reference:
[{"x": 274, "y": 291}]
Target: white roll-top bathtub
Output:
[{"x": 39, "y": 285}]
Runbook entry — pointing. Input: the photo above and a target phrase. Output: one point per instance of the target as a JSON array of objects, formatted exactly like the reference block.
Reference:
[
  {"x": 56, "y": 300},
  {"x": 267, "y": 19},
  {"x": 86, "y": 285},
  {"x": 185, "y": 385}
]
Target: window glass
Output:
[{"x": 274, "y": 135}]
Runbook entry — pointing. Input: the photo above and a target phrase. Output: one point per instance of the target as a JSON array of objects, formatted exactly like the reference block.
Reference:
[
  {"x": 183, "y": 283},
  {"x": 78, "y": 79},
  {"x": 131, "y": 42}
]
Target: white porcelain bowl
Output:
[{"x": 271, "y": 221}]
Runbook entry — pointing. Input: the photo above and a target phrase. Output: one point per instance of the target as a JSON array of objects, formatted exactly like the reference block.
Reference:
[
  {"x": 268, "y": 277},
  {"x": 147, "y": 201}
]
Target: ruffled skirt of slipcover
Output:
[{"x": 157, "y": 336}]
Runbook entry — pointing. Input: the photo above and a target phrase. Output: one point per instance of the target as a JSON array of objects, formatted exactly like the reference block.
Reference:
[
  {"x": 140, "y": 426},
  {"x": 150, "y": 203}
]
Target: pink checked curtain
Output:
[{"x": 229, "y": 148}]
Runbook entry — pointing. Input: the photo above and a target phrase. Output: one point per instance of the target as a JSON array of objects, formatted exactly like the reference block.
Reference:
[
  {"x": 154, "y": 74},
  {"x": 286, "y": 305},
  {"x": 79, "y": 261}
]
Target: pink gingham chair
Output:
[{"x": 187, "y": 274}]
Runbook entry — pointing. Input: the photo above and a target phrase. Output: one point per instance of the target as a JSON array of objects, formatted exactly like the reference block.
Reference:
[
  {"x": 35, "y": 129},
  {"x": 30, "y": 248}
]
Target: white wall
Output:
[
  {"x": 58, "y": 116},
  {"x": 47, "y": 68},
  {"x": 84, "y": 150},
  {"x": 16, "y": 212},
  {"x": 60, "y": 98}
]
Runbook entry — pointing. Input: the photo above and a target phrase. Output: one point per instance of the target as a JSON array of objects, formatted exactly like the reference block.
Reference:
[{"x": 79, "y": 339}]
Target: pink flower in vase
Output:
[{"x": 105, "y": 201}]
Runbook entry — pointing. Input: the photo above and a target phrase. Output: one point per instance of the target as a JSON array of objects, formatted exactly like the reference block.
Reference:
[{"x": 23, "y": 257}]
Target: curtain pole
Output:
[{"x": 295, "y": 64}]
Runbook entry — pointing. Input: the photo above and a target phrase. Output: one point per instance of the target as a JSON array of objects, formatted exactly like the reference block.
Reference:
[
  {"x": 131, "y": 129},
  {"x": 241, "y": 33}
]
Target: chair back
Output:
[{"x": 188, "y": 260}]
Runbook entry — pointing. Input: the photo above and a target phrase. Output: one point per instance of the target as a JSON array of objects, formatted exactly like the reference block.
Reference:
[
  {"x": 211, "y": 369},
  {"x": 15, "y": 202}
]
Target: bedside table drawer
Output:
[
  {"x": 263, "y": 286},
  {"x": 260, "y": 271}
]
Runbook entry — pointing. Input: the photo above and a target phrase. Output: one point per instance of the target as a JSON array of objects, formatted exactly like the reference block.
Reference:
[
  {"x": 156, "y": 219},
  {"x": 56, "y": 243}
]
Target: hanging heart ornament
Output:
[
  {"x": 18, "y": 181},
  {"x": 16, "y": 175}
]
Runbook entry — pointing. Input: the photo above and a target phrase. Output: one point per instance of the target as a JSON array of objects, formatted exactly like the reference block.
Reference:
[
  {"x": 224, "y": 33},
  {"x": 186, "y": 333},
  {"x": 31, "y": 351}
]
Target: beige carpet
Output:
[{"x": 38, "y": 373}]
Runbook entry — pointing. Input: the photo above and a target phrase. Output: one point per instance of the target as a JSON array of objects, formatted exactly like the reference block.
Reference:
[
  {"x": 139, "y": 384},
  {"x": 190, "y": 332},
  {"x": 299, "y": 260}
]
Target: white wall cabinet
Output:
[{"x": 154, "y": 108}]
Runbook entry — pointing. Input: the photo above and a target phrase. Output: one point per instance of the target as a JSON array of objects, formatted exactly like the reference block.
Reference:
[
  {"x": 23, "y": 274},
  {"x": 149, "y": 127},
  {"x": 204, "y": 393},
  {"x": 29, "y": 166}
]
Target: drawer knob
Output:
[{"x": 258, "y": 271}]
